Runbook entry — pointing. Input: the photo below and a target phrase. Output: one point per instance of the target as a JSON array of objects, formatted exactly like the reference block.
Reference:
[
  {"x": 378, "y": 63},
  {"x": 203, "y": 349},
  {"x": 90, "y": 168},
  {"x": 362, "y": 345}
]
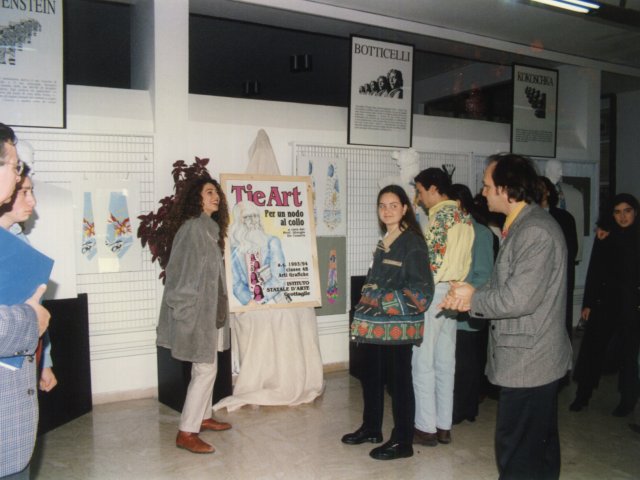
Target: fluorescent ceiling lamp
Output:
[
  {"x": 563, "y": 5},
  {"x": 591, "y": 5}
]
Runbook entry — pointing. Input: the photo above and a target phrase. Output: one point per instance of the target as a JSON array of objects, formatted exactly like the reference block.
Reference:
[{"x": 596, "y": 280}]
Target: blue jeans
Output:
[{"x": 434, "y": 365}]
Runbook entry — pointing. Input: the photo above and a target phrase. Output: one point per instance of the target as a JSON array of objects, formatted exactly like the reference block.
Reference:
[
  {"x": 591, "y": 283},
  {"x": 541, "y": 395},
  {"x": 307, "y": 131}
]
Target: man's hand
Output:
[
  {"x": 47, "y": 380},
  {"x": 458, "y": 298},
  {"x": 41, "y": 312}
]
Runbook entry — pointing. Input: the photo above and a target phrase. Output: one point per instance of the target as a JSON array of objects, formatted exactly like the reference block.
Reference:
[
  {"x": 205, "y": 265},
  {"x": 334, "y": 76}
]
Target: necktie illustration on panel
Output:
[
  {"x": 89, "y": 249},
  {"x": 332, "y": 215},
  {"x": 332, "y": 280},
  {"x": 119, "y": 232}
]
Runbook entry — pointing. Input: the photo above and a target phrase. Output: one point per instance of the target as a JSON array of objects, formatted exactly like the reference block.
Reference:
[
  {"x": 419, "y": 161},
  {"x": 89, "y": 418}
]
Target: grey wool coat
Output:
[
  {"x": 525, "y": 300},
  {"x": 195, "y": 302}
]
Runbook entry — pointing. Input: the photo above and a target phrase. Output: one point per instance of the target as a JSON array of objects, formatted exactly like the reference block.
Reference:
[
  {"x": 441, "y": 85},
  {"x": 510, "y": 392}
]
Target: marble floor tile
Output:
[{"x": 136, "y": 440}]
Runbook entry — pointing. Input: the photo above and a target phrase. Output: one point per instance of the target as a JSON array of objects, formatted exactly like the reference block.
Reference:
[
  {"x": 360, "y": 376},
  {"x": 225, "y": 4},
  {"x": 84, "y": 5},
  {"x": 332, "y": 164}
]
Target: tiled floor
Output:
[{"x": 135, "y": 440}]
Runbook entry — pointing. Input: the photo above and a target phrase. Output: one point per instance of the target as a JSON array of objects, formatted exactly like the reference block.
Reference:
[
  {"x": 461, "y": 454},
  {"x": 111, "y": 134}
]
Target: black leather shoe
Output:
[
  {"x": 392, "y": 450},
  {"x": 362, "y": 435},
  {"x": 578, "y": 404},
  {"x": 622, "y": 410}
]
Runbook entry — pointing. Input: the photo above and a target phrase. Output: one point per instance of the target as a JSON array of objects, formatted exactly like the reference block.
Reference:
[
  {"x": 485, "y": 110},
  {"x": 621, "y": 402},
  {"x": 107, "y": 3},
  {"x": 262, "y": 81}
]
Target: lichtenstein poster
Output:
[
  {"x": 105, "y": 225},
  {"x": 271, "y": 254},
  {"x": 31, "y": 59}
]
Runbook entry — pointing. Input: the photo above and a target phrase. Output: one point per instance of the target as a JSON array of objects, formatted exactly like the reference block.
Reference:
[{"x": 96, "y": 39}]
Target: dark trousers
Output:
[
  {"x": 390, "y": 365},
  {"x": 603, "y": 341},
  {"x": 469, "y": 374},
  {"x": 527, "y": 441}
]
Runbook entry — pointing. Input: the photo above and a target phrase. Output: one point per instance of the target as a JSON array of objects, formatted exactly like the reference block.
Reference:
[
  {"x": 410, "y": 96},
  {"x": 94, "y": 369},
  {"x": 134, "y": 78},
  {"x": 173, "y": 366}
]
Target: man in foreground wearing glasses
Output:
[
  {"x": 529, "y": 348},
  {"x": 20, "y": 328}
]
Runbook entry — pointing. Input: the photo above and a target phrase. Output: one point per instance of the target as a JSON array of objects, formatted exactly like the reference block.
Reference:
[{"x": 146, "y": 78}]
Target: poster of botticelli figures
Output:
[
  {"x": 328, "y": 181},
  {"x": 535, "y": 111},
  {"x": 271, "y": 253},
  {"x": 31, "y": 59},
  {"x": 380, "y": 109},
  {"x": 105, "y": 222}
]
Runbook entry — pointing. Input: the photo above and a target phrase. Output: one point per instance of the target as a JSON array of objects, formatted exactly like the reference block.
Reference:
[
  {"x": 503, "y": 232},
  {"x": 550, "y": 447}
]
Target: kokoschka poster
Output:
[{"x": 270, "y": 254}]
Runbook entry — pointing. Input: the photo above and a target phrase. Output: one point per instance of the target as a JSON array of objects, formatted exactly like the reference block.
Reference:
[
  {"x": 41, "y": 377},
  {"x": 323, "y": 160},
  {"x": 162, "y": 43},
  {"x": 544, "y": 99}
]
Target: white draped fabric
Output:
[
  {"x": 278, "y": 349},
  {"x": 279, "y": 355}
]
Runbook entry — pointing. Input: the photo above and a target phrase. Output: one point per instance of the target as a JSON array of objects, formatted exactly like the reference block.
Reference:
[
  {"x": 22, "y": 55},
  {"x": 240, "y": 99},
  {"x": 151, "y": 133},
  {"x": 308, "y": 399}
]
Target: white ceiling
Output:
[
  {"x": 519, "y": 22},
  {"x": 503, "y": 31}
]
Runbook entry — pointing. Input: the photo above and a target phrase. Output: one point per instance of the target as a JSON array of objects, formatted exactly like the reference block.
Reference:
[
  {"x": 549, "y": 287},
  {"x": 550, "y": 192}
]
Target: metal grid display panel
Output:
[
  {"x": 123, "y": 301},
  {"x": 365, "y": 166}
]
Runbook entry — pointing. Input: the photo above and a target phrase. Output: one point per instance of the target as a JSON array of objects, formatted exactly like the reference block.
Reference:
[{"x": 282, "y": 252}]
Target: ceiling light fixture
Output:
[
  {"x": 572, "y": 5},
  {"x": 590, "y": 5}
]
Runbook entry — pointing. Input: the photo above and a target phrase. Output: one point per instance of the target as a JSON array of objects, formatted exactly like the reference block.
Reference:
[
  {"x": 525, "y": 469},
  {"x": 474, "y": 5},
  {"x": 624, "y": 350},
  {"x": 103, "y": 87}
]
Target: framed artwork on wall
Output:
[
  {"x": 381, "y": 93},
  {"x": 32, "y": 92},
  {"x": 535, "y": 111}
]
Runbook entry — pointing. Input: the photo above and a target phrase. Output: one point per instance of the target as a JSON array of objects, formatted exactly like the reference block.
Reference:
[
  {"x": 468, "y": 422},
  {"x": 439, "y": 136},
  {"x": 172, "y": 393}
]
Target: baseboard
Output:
[
  {"x": 335, "y": 367},
  {"x": 110, "y": 397}
]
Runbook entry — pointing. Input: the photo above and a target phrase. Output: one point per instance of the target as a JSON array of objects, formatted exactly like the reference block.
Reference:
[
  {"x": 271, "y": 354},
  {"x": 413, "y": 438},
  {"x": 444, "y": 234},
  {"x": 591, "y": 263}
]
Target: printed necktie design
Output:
[{"x": 89, "y": 246}]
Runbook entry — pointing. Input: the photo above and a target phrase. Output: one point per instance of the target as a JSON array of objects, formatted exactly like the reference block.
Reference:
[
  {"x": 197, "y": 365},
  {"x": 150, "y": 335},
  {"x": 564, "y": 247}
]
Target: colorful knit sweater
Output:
[{"x": 397, "y": 292}]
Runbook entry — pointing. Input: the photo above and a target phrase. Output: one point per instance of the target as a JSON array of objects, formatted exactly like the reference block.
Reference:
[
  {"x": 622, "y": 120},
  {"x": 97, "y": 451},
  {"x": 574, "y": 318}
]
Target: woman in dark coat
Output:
[
  {"x": 611, "y": 308},
  {"x": 388, "y": 321}
]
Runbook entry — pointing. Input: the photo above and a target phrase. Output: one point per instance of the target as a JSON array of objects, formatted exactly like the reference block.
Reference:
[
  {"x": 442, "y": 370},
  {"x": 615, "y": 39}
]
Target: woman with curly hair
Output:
[{"x": 194, "y": 304}]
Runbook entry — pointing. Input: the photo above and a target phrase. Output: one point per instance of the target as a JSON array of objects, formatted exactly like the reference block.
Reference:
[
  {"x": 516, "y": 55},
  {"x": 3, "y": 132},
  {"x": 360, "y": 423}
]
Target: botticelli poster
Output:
[
  {"x": 380, "y": 109},
  {"x": 31, "y": 81},
  {"x": 271, "y": 254},
  {"x": 535, "y": 111}
]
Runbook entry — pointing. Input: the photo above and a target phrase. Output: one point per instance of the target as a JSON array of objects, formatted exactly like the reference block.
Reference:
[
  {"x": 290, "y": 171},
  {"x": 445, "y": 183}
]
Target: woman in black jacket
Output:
[
  {"x": 611, "y": 308},
  {"x": 388, "y": 321}
]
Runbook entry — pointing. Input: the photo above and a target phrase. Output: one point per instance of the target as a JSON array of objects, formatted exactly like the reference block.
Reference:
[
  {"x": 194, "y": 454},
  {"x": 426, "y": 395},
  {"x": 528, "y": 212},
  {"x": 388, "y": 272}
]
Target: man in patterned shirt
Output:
[{"x": 449, "y": 236}]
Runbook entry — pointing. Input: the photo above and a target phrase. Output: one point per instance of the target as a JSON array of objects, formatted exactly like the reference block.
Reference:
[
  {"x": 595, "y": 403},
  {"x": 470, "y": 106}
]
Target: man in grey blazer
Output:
[
  {"x": 529, "y": 348},
  {"x": 20, "y": 328}
]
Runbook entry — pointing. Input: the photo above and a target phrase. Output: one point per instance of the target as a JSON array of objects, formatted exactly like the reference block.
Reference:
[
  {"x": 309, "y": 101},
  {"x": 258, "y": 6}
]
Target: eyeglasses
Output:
[{"x": 18, "y": 166}]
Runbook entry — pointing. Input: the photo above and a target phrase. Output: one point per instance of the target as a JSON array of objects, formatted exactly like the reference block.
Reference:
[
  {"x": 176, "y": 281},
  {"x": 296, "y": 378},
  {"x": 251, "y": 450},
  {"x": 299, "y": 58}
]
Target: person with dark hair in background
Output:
[
  {"x": 388, "y": 321},
  {"x": 20, "y": 328},
  {"x": 529, "y": 349},
  {"x": 449, "y": 236},
  {"x": 195, "y": 303},
  {"x": 12, "y": 215},
  {"x": 549, "y": 201},
  {"x": 610, "y": 307},
  {"x": 470, "y": 342}
]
